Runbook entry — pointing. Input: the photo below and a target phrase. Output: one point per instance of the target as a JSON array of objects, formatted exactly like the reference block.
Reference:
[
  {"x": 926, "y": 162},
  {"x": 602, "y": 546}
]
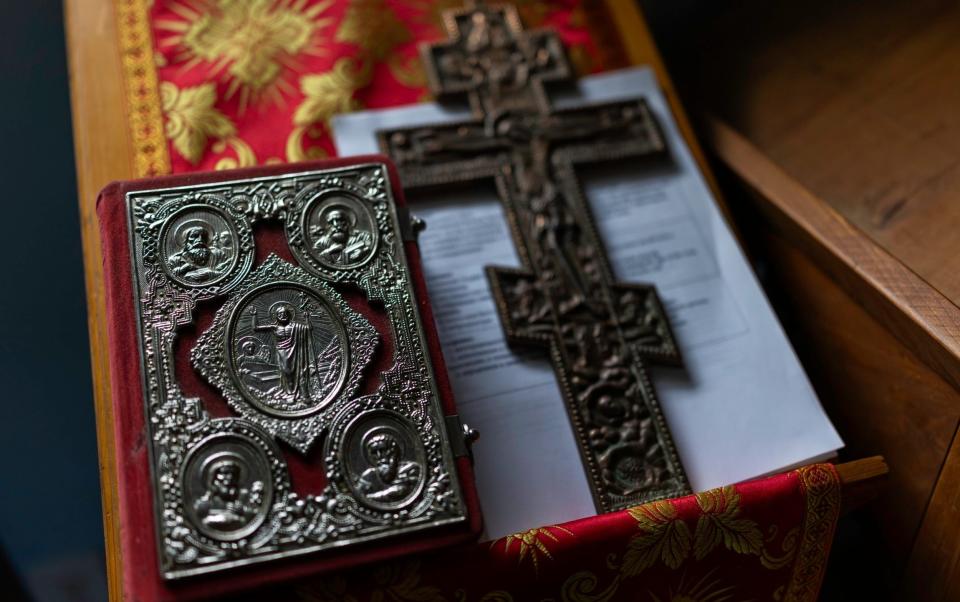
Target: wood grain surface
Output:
[
  {"x": 926, "y": 321},
  {"x": 102, "y": 154},
  {"x": 856, "y": 100},
  {"x": 844, "y": 132},
  {"x": 934, "y": 569}
]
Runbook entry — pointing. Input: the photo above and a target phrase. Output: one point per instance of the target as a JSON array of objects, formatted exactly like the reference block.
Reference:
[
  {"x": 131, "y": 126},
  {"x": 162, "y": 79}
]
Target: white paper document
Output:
[{"x": 740, "y": 407}]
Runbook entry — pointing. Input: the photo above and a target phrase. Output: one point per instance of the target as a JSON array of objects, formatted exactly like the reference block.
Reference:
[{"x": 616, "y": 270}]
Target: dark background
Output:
[{"x": 50, "y": 526}]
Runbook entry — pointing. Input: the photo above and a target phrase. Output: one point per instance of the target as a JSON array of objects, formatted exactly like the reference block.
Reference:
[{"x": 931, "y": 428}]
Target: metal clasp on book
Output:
[{"x": 462, "y": 436}]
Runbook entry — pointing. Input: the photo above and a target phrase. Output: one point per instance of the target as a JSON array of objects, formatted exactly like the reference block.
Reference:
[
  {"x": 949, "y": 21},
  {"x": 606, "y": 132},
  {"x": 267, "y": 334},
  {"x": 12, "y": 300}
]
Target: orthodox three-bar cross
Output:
[{"x": 599, "y": 332}]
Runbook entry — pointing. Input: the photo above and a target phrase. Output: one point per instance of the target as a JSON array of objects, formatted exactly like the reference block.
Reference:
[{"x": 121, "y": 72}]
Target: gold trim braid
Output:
[
  {"x": 821, "y": 484},
  {"x": 150, "y": 153}
]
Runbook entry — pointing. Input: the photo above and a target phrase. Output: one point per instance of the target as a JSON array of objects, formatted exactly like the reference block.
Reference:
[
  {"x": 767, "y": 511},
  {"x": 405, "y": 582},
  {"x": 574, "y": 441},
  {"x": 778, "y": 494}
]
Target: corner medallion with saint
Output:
[
  {"x": 199, "y": 246},
  {"x": 384, "y": 459},
  {"x": 284, "y": 349},
  {"x": 340, "y": 231},
  {"x": 230, "y": 480}
]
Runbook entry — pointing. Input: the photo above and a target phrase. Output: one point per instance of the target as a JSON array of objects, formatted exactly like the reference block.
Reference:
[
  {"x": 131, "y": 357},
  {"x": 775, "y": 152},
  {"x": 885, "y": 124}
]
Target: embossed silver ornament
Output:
[
  {"x": 290, "y": 356},
  {"x": 283, "y": 349}
]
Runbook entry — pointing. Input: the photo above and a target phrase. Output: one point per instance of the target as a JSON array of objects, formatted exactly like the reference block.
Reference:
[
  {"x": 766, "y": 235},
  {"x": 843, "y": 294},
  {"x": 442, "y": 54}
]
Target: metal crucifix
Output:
[{"x": 599, "y": 332}]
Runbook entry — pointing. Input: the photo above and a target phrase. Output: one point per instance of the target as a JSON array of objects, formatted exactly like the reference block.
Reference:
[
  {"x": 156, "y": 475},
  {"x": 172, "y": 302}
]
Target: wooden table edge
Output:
[
  {"x": 924, "y": 320},
  {"x": 97, "y": 99}
]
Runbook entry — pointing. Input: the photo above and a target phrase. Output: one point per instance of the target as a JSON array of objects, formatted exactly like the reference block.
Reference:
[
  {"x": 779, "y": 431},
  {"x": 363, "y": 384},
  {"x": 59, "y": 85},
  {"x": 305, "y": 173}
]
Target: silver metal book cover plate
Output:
[{"x": 290, "y": 347}]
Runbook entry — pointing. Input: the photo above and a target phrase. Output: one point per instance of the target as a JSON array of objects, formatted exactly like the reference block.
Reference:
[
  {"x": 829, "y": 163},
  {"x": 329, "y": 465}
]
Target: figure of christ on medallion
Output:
[
  {"x": 199, "y": 248},
  {"x": 226, "y": 504},
  {"x": 289, "y": 351},
  {"x": 341, "y": 232}
]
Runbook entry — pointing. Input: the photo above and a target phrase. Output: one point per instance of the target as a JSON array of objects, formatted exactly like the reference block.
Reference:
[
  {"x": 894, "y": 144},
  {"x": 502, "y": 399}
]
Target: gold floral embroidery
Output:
[
  {"x": 788, "y": 545},
  {"x": 720, "y": 523},
  {"x": 245, "y": 155},
  {"x": 532, "y": 543},
  {"x": 326, "y": 94},
  {"x": 253, "y": 40},
  {"x": 582, "y": 587},
  {"x": 295, "y": 150},
  {"x": 664, "y": 536},
  {"x": 409, "y": 72},
  {"x": 192, "y": 118},
  {"x": 374, "y": 27}
]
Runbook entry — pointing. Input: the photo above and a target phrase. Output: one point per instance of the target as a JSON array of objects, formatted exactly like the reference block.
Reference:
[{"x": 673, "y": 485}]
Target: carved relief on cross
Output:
[{"x": 599, "y": 333}]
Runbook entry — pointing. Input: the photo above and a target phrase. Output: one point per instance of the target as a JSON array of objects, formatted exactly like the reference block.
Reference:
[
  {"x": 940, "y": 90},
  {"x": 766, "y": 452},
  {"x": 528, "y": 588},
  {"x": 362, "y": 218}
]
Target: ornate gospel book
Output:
[{"x": 280, "y": 400}]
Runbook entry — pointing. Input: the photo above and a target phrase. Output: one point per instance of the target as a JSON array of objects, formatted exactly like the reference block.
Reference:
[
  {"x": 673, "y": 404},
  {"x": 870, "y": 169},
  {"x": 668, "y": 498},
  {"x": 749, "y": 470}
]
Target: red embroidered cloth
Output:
[
  {"x": 214, "y": 84},
  {"x": 763, "y": 540}
]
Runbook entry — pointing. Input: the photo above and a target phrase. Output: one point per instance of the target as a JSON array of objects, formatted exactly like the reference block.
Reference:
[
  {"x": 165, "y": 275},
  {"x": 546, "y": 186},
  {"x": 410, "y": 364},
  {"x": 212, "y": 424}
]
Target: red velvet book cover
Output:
[{"x": 276, "y": 382}]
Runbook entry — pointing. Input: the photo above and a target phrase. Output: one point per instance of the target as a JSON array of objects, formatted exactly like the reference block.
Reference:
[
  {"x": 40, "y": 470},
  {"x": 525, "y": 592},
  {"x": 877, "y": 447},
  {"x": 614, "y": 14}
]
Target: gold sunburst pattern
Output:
[{"x": 248, "y": 42}]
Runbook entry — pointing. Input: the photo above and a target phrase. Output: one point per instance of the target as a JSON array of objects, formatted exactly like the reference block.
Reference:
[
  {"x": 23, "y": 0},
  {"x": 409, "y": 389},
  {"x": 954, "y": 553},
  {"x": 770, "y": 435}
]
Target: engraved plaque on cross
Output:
[{"x": 600, "y": 333}]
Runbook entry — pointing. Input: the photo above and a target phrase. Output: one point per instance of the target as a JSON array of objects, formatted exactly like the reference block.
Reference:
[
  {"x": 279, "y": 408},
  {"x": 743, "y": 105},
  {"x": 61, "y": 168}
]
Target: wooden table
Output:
[
  {"x": 104, "y": 152},
  {"x": 841, "y": 121}
]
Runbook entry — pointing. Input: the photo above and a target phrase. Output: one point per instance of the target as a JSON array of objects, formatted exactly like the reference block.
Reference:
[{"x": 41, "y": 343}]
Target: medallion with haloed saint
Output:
[
  {"x": 340, "y": 231},
  {"x": 229, "y": 480},
  {"x": 288, "y": 350},
  {"x": 384, "y": 460},
  {"x": 199, "y": 246}
]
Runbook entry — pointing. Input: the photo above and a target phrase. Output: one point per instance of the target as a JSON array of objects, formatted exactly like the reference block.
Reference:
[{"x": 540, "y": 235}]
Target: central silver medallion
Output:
[
  {"x": 283, "y": 348},
  {"x": 288, "y": 348}
]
